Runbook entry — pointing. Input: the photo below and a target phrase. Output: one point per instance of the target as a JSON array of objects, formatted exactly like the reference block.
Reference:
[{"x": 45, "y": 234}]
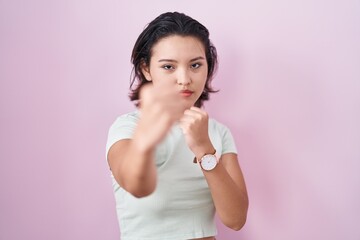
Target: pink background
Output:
[{"x": 290, "y": 91}]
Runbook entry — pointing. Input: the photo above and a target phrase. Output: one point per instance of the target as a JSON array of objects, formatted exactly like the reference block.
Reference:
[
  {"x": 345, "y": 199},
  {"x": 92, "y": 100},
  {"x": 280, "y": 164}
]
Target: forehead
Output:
[{"x": 178, "y": 47}]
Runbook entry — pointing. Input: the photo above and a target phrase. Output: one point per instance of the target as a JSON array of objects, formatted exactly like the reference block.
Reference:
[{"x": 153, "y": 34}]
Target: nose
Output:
[{"x": 183, "y": 77}]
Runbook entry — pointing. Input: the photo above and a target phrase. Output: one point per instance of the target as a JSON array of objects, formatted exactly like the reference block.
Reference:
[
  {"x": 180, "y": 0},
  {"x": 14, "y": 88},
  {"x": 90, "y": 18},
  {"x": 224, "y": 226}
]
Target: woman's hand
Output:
[
  {"x": 160, "y": 107},
  {"x": 194, "y": 124}
]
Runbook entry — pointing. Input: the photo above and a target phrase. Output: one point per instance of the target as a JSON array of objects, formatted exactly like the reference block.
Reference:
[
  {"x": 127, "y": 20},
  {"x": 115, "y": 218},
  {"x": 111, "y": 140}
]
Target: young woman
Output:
[{"x": 172, "y": 165}]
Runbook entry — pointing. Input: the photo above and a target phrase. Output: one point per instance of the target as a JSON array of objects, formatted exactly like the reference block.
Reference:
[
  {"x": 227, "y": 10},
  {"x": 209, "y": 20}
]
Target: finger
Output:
[
  {"x": 165, "y": 88},
  {"x": 193, "y": 113},
  {"x": 183, "y": 122},
  {"x": 184, "y": 127},
  {"x": 196, "y": 109},
  {"x": 165, "y": 94},
  {"x": 187, "y": 119},
  {"x": 145, "y": 95},
  {"x": 169, "y": 95},
  {"x": 199, "y": 110},
  {"x": 145, "y": 90}
]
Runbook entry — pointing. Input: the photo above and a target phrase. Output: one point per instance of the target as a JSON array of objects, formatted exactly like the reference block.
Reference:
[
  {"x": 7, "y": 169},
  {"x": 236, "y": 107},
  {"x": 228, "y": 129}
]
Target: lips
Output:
[{"x": 186, "y": 93}]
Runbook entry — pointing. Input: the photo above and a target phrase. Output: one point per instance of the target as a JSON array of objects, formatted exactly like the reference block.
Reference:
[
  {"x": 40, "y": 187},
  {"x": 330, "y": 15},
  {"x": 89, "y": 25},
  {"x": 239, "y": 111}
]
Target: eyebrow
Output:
[{"x": 172, "y": 60}]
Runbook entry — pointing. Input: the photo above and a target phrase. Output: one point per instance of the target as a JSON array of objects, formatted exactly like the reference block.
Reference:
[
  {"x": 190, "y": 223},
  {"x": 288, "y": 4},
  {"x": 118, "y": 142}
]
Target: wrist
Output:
[
  {"x": 203, "y": 150},
  {"x": 141, "y": 146},
  {"x": 209, "y": 161}
]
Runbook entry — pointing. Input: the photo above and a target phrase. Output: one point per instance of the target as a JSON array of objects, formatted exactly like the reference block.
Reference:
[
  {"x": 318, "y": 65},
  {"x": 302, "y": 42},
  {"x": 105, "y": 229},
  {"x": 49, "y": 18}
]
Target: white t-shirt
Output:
[{"x": 181, "y": 207}]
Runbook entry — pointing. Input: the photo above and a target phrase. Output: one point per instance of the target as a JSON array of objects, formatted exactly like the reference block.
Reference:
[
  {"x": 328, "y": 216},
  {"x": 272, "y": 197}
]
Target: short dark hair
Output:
[{"x": 167, "y": 24}]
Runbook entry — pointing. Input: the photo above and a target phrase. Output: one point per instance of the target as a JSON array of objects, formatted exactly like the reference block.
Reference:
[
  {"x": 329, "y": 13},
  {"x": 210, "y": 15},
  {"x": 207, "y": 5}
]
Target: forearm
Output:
[
  {"x": 231, "y": 201},
  {"x": 136, "y": 170},
  {"x": 228, "y": 190}
]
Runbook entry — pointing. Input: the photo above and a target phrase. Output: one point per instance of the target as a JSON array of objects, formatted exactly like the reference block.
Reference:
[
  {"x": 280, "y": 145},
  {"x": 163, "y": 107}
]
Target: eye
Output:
[
  {"x": 195, "y": 65},
  {"x": 167, "y": 67}
]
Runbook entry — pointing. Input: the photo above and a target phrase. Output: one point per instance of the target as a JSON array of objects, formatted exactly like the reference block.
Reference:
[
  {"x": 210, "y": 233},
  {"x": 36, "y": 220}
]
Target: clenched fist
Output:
[
  {"x": 194, "y": 125},
  {"x": 160, "y": 106}
]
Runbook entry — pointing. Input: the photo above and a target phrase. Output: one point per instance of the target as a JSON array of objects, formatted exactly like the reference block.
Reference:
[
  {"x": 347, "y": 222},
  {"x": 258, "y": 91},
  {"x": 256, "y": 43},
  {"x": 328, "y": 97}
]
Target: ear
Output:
[{"x": 146, "y": 71}]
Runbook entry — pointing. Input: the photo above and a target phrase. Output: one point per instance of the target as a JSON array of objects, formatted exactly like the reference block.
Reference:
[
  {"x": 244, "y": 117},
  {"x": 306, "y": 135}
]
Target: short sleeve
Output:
[
  {"x": 122, "y": 128},
  {"x": 228, "y": 143}
]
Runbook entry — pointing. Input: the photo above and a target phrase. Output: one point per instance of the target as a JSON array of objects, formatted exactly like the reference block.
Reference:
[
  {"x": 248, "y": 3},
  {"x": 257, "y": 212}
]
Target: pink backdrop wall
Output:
[{"x": 290, "y": 91}]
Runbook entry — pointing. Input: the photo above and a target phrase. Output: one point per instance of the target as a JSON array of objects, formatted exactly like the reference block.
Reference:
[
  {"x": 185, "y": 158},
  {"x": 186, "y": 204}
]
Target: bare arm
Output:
[
  {"x": 132, "y": 167},
  {"x": 228, "y": 191},
  {"x": 132, "y": 160},
  {"x": 226, "y": 180}
]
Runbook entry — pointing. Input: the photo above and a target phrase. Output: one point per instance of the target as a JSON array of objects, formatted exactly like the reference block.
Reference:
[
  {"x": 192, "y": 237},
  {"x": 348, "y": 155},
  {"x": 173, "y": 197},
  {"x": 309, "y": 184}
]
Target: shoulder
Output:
[
  {"x": 131, "y": 116},
  {"x": 227, "y": 143},
  {"x": 127, "y": 118},
  {"x": 122, "y": 128},
  {"x": 215, "y": 125}
]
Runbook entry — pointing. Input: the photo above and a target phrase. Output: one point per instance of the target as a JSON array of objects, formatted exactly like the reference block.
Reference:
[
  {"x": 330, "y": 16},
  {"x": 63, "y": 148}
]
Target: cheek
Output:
[
  {"x": 205, "y": 73},
  {"x": 202, "y": 78},
  {"x": 156, "y": 73}
]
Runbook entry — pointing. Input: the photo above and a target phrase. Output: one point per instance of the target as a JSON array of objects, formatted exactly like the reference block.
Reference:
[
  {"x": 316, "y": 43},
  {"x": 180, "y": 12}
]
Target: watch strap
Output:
[{"x": 196, "y": 160}]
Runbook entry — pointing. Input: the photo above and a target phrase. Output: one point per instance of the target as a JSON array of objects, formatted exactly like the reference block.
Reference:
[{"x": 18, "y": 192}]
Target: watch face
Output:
[{"x": 208, "y": 162}]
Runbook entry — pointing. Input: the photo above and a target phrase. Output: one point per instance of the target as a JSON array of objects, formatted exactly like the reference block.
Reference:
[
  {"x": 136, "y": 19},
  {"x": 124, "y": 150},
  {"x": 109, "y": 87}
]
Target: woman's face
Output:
[{"x": 180, "y": 61}]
